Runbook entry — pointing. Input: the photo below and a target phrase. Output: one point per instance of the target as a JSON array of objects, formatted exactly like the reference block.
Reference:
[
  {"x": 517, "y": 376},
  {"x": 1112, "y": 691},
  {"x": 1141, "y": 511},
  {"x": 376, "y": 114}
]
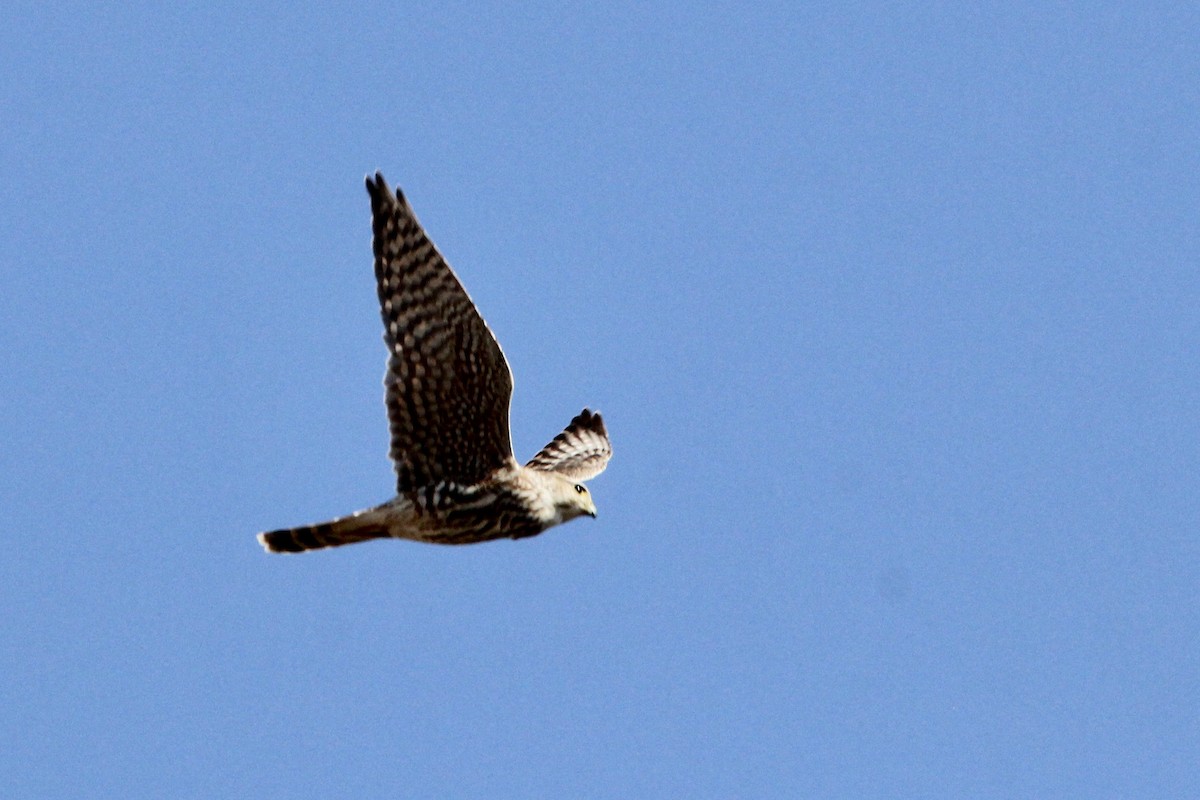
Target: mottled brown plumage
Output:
[
  {"x": 448, "y": 384},
  {"x": 447, "y": 391}
]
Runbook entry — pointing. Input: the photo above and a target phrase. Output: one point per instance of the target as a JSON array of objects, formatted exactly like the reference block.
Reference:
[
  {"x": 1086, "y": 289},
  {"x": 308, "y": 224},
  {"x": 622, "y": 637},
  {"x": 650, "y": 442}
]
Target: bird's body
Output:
[
  {"x": 518, "y": 502},
  {"x": 448, "y": 388}
]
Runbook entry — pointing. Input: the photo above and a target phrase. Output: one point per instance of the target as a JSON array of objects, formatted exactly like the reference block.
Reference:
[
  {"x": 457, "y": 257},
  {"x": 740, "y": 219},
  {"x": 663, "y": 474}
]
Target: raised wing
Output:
[
  {"x": 448, "y": 386},
  {"x": 580, "y": 452}
]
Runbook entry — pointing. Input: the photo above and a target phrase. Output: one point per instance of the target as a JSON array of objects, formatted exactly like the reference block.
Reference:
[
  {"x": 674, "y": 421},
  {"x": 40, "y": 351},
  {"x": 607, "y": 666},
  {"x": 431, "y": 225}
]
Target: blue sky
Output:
[{"x": 892, "y": 311}]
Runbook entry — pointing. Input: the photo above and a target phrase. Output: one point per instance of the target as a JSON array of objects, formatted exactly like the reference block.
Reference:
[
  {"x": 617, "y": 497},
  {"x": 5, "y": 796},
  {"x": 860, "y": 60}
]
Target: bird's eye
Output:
[{"x": 579, "y": 487}]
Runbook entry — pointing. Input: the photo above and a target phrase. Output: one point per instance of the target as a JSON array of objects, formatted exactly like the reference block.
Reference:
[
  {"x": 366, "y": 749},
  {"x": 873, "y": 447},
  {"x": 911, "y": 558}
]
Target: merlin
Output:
[{"x": 447, "y": 391}]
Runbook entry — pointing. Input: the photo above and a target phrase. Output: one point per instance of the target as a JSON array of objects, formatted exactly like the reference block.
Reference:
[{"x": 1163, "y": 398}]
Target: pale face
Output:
[{"x": 573, "y": 499}]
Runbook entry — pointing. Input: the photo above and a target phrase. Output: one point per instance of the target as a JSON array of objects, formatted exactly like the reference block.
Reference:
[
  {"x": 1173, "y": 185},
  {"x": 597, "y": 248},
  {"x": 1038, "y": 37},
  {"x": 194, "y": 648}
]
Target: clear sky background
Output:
[{"x": 893, "y": 312}]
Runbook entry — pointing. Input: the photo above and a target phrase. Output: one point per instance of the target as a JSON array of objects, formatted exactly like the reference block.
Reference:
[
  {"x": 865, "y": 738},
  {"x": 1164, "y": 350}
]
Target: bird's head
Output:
[{"x": 572, "y": 499}]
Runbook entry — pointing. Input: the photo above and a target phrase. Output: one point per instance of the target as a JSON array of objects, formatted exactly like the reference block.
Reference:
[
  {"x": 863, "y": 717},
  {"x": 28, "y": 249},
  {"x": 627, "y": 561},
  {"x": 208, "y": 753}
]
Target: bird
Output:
[{"x": 448, "y": 388}]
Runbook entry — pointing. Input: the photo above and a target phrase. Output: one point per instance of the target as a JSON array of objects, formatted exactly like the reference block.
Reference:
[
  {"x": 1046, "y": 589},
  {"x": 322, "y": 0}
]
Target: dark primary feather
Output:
[{"x": 448, "y": 386}]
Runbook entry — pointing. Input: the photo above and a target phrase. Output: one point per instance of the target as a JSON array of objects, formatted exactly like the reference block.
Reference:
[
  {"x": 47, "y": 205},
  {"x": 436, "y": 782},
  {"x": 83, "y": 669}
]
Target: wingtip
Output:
[
  {"x": 590, "y": 419},
  {"x": 376, "y": 184},
  {"x": 381, "y": 194}
]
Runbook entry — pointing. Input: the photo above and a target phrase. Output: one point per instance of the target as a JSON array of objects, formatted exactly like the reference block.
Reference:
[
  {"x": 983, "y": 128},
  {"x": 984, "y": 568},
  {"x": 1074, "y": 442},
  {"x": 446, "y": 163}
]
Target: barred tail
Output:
[{"x": 347, "y": 530}]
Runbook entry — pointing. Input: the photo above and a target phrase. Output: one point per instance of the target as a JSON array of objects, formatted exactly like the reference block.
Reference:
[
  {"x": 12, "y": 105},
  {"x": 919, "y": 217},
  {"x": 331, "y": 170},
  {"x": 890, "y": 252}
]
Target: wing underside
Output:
[
  {"x": 580, "y": 452},
  {"x": 448, "y": 385}
]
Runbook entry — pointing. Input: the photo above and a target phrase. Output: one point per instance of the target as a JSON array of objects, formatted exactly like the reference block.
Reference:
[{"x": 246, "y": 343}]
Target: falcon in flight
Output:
[{"x": 448, "y": 389}]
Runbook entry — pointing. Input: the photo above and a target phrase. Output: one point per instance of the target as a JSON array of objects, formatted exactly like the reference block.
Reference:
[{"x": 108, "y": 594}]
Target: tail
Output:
[{"x": 359, "y": 527}]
